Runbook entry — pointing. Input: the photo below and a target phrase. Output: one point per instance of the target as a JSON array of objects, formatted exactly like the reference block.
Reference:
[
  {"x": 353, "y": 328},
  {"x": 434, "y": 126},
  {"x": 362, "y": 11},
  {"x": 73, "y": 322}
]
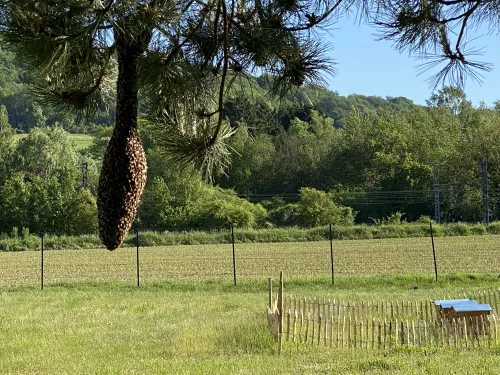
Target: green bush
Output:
[
  {"x": 242, "y": 214},
  {"x": 457, "y": 229},
  {"x": 494, "y": 227},
  {"x": 478, "y": 229},
  {"x": 395, "y": 218},
  {"x": 437, "y": 229},
  {"x": 424, "y": 219},
  {"x": 29, "y": 242},
  {"x": 284, "y": 215},
  {"x": 316, "y": 208},
  {"x": 354, "y": 232}
]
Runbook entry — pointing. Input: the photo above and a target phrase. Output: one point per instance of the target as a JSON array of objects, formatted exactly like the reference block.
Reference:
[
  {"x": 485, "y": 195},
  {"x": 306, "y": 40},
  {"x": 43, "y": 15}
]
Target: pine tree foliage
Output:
[
  {"x": 442, "y": 32},
  {"x": 171, "y": 52}
]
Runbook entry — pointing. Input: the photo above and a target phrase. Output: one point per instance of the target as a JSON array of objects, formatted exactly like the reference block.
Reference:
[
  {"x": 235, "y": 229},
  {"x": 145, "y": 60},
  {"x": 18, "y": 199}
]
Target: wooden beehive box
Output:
[
  {"x": 443, "y": 306},
  {"x": 469, "y": 311}
]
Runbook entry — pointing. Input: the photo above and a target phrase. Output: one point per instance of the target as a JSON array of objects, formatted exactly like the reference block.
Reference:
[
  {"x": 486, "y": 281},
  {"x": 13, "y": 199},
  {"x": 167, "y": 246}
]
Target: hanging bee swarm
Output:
[{"x": 122, "y": 180}]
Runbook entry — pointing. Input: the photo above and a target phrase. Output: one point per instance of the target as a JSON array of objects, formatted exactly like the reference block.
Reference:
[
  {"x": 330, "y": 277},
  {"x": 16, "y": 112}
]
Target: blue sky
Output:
[{"x": 369, "y": 67}]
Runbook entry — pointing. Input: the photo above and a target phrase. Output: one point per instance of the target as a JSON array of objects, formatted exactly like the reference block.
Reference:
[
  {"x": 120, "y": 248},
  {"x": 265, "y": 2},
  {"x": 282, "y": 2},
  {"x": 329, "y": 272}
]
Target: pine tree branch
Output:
[
  {"x": 224, "y": 68},
  {"x": 465, "y": 14},
  {"x": 178, "y": 47},
  {"x": 453, "y": 2},
  {"x": 315, "y": 20}
]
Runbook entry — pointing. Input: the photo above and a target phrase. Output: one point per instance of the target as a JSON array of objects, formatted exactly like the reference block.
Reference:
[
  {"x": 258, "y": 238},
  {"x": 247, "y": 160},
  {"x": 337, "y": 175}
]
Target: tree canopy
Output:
[
  {"x": 180, "y": 55},
  {"x": 177, "y": 62}
]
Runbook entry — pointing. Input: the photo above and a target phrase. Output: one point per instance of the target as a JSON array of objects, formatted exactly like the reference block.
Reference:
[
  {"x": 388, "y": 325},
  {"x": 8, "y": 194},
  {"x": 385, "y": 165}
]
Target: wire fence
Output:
[{"x": 233, "y": 260}]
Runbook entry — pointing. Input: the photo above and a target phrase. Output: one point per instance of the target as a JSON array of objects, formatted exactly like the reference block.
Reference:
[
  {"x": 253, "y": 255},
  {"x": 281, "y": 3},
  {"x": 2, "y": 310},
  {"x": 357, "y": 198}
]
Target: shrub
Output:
[
  {"x": 395, "y": 218},
  {"x": 494, "y": 227},
  {"x": 424, "y": 219},
  {"x": 316, "y": 208},
  {"x": 457, "y": 229},
  {"x": 284, "y": 215},
  {"x": 478, "y": 229},
  {"x": 239, "y": 213},
  {"x": 354, "y": 232}
]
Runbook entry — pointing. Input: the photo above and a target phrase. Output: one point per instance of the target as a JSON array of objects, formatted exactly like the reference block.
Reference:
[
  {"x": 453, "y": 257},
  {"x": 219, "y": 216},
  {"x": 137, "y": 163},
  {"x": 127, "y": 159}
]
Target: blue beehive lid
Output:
[
  {"x": 447, "y": 305},
  {"x": 472, "y": 307},
  {"x": 441, "y": 301}
]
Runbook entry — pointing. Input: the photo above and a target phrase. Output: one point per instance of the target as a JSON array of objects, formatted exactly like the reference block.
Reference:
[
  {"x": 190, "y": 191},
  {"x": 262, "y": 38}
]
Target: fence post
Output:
[
  {"x": 434, "y": 252},
  {"x": 42, "y": 235},
  {"x": 270, "y": 289},
  {"x": 234, "y": 255},
  {"x": 331, "y": 255},
  {"x": 137, "y": 257},
  {"x": 280, "y": 312}
]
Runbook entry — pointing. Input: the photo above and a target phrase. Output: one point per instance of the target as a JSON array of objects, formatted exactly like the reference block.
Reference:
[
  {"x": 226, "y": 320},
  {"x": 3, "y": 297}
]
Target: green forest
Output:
[{"x": 308, "y": 159}]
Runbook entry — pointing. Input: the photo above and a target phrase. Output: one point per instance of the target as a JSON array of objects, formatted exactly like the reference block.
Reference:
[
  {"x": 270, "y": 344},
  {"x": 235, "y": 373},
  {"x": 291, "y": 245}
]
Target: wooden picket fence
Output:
[{"x": 377, "y": 325}]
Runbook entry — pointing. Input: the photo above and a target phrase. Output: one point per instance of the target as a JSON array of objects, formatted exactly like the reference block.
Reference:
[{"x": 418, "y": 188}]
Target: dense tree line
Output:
[
  {"x": 310, "y": 172},
  {"x": 25, "y": 112},
  {"x": 377, "y": 162},
  {"x": 349, "y": 158},
  {"x": 39, "y": 183}
]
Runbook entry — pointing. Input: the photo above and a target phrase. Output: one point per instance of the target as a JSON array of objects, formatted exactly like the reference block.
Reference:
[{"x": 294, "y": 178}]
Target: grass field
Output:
[
  {"x": 205, "y": 327},
  {"x": 82, "y": 141},
  {"x": 188, "y": 318},
  {"x": 471, "y": 254}
]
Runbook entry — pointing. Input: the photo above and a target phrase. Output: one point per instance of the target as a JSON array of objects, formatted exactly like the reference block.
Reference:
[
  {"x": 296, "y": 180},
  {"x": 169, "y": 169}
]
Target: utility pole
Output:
[
  {"x": 437, "y": 213},
  {"x": 484, "y": 184}
]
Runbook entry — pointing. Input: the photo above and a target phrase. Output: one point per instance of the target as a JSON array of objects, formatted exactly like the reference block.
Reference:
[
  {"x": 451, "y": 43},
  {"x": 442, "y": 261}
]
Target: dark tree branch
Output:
[
  {"x": 453, "y": 2},
  {"x": 466, "y": 14},
  {"x": 224, "y": 68},
  {"x": 313, "y": 20},
  {"x": 464, "y": 23}
]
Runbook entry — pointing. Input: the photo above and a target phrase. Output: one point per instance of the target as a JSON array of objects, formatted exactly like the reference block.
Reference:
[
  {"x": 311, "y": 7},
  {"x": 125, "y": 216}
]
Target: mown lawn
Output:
[{"x": 207, "y": 327}]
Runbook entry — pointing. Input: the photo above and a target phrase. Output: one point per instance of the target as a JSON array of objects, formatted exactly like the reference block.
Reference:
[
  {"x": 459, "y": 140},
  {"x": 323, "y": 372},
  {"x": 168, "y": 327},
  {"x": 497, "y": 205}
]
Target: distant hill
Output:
[{"x": 24, "y": 113}]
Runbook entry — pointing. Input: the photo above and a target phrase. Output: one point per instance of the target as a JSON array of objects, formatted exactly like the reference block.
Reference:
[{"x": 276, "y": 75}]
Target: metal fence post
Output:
[
  {"x": 137, "y": 257},
  {"x": 331, "y": 255},
  {"x": 234, "y": 255},
  {"x": 42, "y": 235},
  {"x": 434, "y": 252}
]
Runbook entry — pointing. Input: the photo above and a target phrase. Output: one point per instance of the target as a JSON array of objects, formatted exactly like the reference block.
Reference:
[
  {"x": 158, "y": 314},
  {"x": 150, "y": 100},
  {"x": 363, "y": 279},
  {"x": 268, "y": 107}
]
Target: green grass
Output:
[
  {"x": 188, "y": 318},
  {"x": 471, "y": 254},
  {"x": 206, "y": 327},
  {"x": 82, "y": 141}
]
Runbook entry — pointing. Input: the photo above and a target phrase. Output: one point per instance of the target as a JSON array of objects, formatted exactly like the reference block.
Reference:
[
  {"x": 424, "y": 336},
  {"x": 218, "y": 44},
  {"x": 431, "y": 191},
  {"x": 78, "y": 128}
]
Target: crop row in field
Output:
[{"x": 363, "y": 257}]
